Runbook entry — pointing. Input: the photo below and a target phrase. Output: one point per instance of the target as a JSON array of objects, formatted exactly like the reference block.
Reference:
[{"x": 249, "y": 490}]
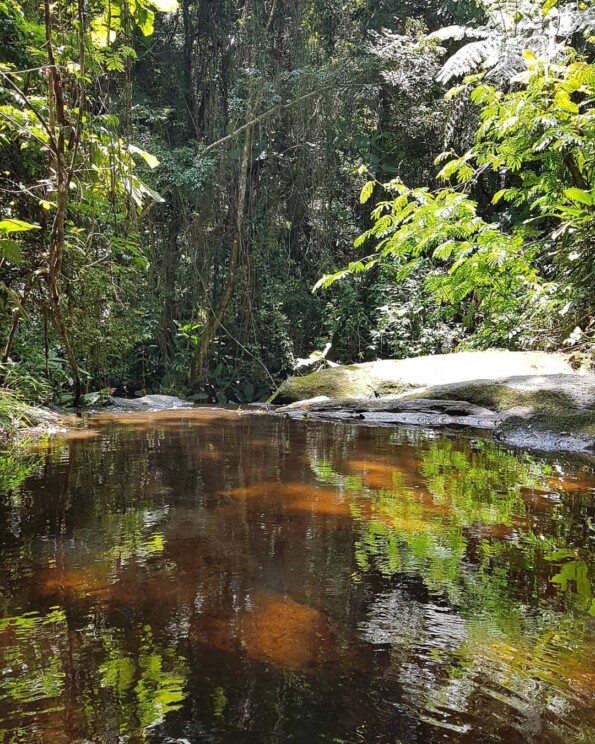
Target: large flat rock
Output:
[
  {"x": 400, "y": 375},
  {"x": 149, "y": 403},
  {"x": 549, "y": 412}
]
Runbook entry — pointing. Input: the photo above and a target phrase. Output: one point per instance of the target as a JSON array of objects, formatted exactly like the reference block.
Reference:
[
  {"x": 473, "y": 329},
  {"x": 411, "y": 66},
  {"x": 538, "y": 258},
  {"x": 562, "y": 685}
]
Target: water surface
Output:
[{"x": 206, "y": 576}]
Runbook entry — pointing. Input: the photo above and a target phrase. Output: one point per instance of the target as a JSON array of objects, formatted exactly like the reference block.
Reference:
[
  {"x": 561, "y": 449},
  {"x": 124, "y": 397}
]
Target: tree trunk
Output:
[
  {"x": 56, "y": 254},
  {"x": 199, "y": 367},
  {"x": 59, "y": 125},
  {"x": 166, "y": 329}
]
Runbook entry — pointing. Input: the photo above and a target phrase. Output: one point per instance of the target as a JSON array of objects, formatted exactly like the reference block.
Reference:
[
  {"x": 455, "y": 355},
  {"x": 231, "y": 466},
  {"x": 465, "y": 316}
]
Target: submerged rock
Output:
[
  {"x": 573, "y": 431},
  {"x": 551, "y": 409},
  {"x": 149, "y": 403},
  {"x": 395, "y": 409}
]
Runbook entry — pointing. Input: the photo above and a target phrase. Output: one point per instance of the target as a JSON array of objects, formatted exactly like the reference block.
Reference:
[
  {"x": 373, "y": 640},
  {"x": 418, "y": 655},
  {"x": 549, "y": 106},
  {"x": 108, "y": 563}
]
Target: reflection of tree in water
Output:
[
  {"x": 480, "y": 528},
  {"x": 49, "y": 671},
  {"x": 211, "y": 566}
]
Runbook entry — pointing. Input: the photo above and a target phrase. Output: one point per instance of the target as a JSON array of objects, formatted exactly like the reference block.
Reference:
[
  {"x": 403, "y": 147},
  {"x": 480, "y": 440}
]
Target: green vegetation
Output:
[
  {"x": 509, "y": 235},
  {"x": 176, "y": 178},
  {"x": 468, "y": 533}
]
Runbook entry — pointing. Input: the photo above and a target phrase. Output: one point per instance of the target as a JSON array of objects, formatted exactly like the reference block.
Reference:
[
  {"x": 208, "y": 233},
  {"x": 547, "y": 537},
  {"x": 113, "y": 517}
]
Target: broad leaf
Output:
[
  {"x": 149, "y": 159},
  {"x": 12, "y": 225},
  {"x": 578, "y": 195},
  {"x": 11, "y": 251}
]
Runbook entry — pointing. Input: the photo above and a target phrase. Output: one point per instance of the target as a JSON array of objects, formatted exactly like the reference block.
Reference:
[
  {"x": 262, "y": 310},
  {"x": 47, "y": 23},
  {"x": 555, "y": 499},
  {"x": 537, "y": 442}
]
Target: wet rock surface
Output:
[
  {"x": 149, "y": 403},
  {"x": 394, "y": 409}
]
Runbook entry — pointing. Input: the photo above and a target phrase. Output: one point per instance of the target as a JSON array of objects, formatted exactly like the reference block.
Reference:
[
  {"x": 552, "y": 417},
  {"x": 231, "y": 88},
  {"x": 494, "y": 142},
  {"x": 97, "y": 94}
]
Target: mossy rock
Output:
[
  {"x": 396, "y": 376},
  {"x": 339, "y": 383},
  {"x": 535, "y": 393}
]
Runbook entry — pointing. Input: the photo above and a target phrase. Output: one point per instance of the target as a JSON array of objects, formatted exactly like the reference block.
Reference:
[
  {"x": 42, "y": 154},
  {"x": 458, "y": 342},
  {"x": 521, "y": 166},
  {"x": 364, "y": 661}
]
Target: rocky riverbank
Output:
[{"x": 534, "y": 401}]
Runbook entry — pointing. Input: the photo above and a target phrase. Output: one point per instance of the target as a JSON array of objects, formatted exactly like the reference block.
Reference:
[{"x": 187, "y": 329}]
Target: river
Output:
[{"x": 205, "y": 576}]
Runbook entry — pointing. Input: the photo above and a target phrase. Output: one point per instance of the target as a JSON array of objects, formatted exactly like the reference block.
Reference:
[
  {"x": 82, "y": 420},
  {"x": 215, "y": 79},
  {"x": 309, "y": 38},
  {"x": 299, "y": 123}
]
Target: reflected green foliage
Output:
[
  {"x": 32, "y": 671},
  {"x": 466, "y": 525},
  {"x": 471, "y": 494},
  {"x": 205, "y": 576},
  {"x": 146, "y": 685},
  {"x": 16, "y": 465}
]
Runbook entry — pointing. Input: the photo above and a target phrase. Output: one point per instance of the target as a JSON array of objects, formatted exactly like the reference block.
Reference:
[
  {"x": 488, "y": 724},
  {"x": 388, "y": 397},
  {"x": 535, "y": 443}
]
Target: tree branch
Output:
[{"x": 275, "y": 109}]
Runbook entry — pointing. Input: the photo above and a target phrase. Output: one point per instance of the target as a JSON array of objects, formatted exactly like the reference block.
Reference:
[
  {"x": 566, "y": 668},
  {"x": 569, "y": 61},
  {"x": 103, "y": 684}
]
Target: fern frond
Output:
[
  {"x": 467, "y": 59},
  {"x": 458, "y": 33}
]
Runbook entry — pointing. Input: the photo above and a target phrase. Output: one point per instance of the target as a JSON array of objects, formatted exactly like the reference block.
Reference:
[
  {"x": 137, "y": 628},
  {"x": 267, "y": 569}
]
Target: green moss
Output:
[
  {"x": 502, "y": 397},
  {"x": 574, "y": 423},
  {"x": 339, "y": 383}
]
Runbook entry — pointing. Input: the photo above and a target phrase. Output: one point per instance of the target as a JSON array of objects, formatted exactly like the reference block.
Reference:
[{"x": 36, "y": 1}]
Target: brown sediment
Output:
[
  {"x": 275, "y": 630},
  {"x": 321, "y": 501},
  {"x": 387, "y": 473},
  {"x": 285, "y": 633},
  {"x": 577, "y": 484},
  {"x": 54, "y": 582},
  {"x": 65, "y": 435},
  {"x": 269, "y": 489},
  {"x": 194, "y": 417},
  {"x": 296, "y": 497}
]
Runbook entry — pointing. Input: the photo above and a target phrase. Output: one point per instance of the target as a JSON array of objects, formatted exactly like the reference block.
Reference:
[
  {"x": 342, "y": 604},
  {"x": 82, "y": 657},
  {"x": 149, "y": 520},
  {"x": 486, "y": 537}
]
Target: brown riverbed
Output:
[{"x": 205, "y": 576}]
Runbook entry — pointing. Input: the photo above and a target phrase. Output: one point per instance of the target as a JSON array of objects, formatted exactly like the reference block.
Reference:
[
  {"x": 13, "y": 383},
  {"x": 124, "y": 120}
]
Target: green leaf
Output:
[
  {"x": 12, "y": 225},
  {"x": 165, "y": 6},
  {"x": 145, "y": 19},
  {"x": 11, "y": 251},
  {"x": 149, "y": 159},
  {"x": 560, "y": 555},
  {"x": 549, "y": 5},
  {"x": 155, "y": 195},
  {"x": 578, "y": 195},
  {"x": 366, "y": 192}
]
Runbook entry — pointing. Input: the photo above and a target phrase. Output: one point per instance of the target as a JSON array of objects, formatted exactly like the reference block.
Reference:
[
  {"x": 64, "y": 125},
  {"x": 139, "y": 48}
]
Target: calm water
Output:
[{"x": 209, "y": 577}]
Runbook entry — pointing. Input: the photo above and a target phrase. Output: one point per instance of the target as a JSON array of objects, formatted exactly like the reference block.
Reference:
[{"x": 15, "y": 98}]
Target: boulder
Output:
[
  {"x": 394, "y": 376},
  {"x": 149, "y": 403},
  {"x": 550, "y": 410}
]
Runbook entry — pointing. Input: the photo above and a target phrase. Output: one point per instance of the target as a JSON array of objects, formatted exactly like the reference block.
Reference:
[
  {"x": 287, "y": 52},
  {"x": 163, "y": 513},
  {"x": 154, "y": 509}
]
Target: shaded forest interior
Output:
[{"x": 175, "y": 179}]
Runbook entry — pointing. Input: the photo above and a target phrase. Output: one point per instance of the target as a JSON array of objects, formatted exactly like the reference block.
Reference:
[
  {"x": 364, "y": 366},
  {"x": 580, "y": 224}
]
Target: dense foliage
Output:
[{"x": 176, "y": 179}]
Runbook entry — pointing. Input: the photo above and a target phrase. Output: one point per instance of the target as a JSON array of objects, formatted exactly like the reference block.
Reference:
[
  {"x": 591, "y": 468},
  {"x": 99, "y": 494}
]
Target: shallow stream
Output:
[{"x": 204, "y": 576}]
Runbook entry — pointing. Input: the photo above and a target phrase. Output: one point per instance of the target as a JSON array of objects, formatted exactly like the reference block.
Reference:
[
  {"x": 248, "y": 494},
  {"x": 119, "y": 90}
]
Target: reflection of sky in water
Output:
[{"x": 205, "y": 576}]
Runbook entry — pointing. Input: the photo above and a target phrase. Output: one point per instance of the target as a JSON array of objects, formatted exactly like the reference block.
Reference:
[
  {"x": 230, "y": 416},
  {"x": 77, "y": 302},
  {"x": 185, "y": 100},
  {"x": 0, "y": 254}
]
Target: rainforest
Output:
[
  {"x": 297, "y": 371},
  {"x": 176, "y": 180}
]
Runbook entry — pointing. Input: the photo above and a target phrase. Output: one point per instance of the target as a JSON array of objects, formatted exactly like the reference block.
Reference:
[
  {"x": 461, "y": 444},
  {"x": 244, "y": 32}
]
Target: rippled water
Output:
[{"x": 209, "y": 577}]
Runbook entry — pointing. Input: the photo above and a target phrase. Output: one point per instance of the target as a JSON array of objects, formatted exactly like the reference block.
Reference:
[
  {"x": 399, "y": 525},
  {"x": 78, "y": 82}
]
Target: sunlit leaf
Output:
[
  {"x": 165, "y": 6},
  {"x": 13, "y": 225},
  {"x": 366, "y": 192},
  {"x": 149, "y": 159}
]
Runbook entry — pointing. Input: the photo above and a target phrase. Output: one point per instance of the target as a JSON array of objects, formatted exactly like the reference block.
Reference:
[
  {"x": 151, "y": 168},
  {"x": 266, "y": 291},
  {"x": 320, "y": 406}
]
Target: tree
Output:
[
  {"x": 518, "y": 262},
  {"x": 76, "y": 148}
]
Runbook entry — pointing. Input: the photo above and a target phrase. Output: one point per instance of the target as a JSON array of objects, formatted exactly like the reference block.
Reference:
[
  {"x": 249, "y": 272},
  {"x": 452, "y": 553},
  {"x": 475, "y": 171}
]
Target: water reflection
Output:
[{"x": 206, "y": 576}]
